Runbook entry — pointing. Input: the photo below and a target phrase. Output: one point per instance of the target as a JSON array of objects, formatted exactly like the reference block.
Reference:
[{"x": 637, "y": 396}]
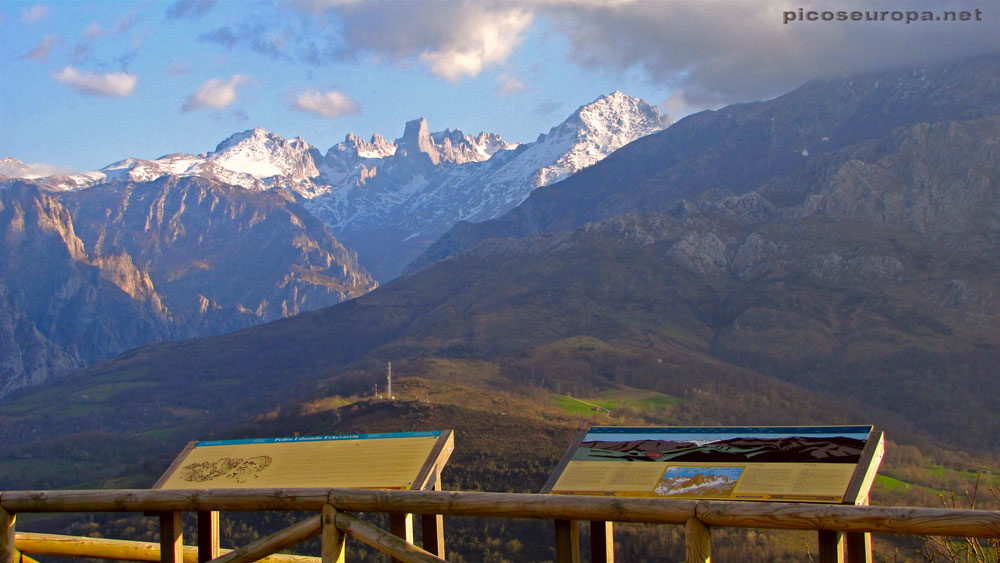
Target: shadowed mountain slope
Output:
[
  {"x": 89, "y": 274},
  {"x": 745, "y": 147}
]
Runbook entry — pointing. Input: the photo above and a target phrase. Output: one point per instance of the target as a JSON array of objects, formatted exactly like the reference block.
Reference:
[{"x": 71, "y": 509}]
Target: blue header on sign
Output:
[{"x": 328, "y": 438}]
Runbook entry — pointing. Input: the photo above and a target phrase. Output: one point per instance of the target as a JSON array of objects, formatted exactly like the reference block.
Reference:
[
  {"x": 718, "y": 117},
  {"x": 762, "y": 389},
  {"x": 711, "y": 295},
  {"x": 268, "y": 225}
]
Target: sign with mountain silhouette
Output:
[
  {"x": 805, "y": 463},
  {"x": 404, "y": 460}
]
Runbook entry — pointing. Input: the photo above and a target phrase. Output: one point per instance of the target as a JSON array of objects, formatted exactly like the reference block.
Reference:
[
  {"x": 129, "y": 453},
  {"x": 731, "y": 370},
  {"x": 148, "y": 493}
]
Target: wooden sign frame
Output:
[
  {"x": 834, "y": 546},
  {"x": 426, "y": 477}
]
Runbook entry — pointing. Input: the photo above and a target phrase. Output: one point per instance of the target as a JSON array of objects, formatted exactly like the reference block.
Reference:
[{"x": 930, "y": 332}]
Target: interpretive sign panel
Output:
[
  {"x": 806, "y": 463},
  {"x": 406, "y": 460}
]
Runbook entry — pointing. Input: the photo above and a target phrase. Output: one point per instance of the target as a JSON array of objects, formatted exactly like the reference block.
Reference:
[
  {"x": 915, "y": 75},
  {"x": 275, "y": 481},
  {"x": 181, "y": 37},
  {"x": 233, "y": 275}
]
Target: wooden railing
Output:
[{"x": 333, "y": 523}]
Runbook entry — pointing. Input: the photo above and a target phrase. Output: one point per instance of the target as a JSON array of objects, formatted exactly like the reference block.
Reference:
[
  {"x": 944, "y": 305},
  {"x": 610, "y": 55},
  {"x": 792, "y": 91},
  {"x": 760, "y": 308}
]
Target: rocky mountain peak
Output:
[
  {"x": 263, "y": 154},
  {"x": 416, "y": 139},
  {"x": 618, "y": 111},
  {"x": 377, "y": 147}
]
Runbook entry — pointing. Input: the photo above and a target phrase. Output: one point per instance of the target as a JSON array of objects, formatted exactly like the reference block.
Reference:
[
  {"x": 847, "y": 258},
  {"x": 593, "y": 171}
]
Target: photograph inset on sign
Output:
[
  {"x": 238, "y": 469},
  {"x": 701, "y": 482}
]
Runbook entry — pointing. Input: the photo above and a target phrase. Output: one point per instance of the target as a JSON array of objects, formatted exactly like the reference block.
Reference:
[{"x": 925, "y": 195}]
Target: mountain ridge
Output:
[
  {"x": 389, "y": 200},
  {"x": 739, "y": 147}
]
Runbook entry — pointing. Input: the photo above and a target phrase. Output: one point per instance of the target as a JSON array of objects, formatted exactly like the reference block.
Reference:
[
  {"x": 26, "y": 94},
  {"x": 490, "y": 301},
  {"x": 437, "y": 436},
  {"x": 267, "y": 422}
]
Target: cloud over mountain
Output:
[
  {"x": 216, "y": 93},
  {"x": 115, "y": 84},
  {"x": 717, "y": 51},
  {"x": 325, "y": 104},
  {"x": 711, "y": 52},
  {"x": 454, "y": 39}
]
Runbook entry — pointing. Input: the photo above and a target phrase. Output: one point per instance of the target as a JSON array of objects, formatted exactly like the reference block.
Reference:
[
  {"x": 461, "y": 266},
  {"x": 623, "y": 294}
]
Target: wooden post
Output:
[
  {"x": 859, "y": 544},
  {"x": 208, "y": 535},
  {"x": 831, "y": 546},
  {"x": 602, "y": 542},
  {"x": 171, "y": 538},
  {"x": 432, "y": 527},
  {"x": 567, "y": 541},
  {"x": 401, "y": 525},
  {"x": 332, "y": 539},
  {"x": 6, "y": 536},
  {"x": 697, "y": 541}
]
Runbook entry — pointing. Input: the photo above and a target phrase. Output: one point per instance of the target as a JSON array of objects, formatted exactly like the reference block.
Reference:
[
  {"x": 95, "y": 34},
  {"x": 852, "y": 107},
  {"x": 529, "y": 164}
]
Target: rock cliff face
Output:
[{"x": 86, "y": 275}]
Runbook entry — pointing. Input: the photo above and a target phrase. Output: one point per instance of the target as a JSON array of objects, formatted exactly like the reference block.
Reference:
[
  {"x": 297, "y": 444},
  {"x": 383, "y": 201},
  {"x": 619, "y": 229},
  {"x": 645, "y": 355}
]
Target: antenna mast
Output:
[{"x": 388, "y": 390}]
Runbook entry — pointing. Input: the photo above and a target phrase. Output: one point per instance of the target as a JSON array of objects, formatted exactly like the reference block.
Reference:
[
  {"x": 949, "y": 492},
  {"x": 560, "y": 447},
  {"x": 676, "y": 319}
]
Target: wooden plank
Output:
[
  {"x": 123, "y": 550},
  {"x": 563, "y": 462},
  {"x": 436, "y": 460},
  {"x": 401, "y": 526},
  {"x": 332, "y": 544},
  {"x": 697, "y": 542},
  {"x": 171, "y": 538},
  {"x": 831, "y": 546},
  {"x": 292, "y": 535},
  {"x": 602, "y": 542},
  {"x": 208, "y": 535},
  {"x": 859, "y": 545},
  {"x": 432, "y": 527},
  {"x": 383, "y": 541},
  {"x": 7, "y": 521},
  {"x": 175, "y": 464},
  {"x": 868, "y": 464},
  {"x": 166, "y": 500},
  {"x": 745, "y": 514},
  {"x": 509, "y": 505},
  {"x": 851, "y": 518},
  {"x": 567, "y": 541}
]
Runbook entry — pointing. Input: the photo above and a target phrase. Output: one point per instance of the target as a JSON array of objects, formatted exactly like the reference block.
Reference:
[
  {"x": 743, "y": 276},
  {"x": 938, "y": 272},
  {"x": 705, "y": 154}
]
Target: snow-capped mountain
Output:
[
  {"x": 389, "y": 209},
  {"x": 391, "y": 199}
]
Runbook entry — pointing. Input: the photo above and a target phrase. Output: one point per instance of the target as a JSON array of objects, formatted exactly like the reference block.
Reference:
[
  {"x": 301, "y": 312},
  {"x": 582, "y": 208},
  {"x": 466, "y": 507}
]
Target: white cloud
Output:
[
  {"x": 714, "y": 51},
  {"x": 44, "y": 47},
  {"x": 216, "y": 93},
  {"x": 487, "y": 39},
  {"x": 34, "y": 14},
  {"x": 119, "y": 84},
  {"x": 510, "y": 85},
  {"x": 454, "y": 39},
  {"x": 327, "y": 104}
]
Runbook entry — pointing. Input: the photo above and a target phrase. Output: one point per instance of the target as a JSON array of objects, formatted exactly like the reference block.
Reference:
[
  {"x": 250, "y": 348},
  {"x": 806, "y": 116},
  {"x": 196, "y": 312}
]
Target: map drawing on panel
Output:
[{"x": 237, "y": 469}]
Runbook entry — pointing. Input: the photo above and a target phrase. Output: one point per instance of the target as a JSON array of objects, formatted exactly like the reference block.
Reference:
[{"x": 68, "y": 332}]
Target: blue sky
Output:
[{"x": 85, "y": 83}]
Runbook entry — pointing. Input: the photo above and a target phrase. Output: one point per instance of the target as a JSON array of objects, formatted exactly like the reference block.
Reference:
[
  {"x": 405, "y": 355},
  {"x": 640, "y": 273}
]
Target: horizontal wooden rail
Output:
[
  {"x": 744, "y": 514},
  {"x": 851, "y": 518},
  {"x": 162, "y": 500},
  {"x": 123, "y": 550}
]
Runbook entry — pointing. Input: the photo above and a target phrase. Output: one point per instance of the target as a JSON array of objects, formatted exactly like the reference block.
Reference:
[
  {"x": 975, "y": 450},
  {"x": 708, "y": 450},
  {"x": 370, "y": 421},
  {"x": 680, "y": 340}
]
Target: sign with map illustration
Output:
[
  {"x": 805, "y": 463},
  {"x": 403, "y": 460}
]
